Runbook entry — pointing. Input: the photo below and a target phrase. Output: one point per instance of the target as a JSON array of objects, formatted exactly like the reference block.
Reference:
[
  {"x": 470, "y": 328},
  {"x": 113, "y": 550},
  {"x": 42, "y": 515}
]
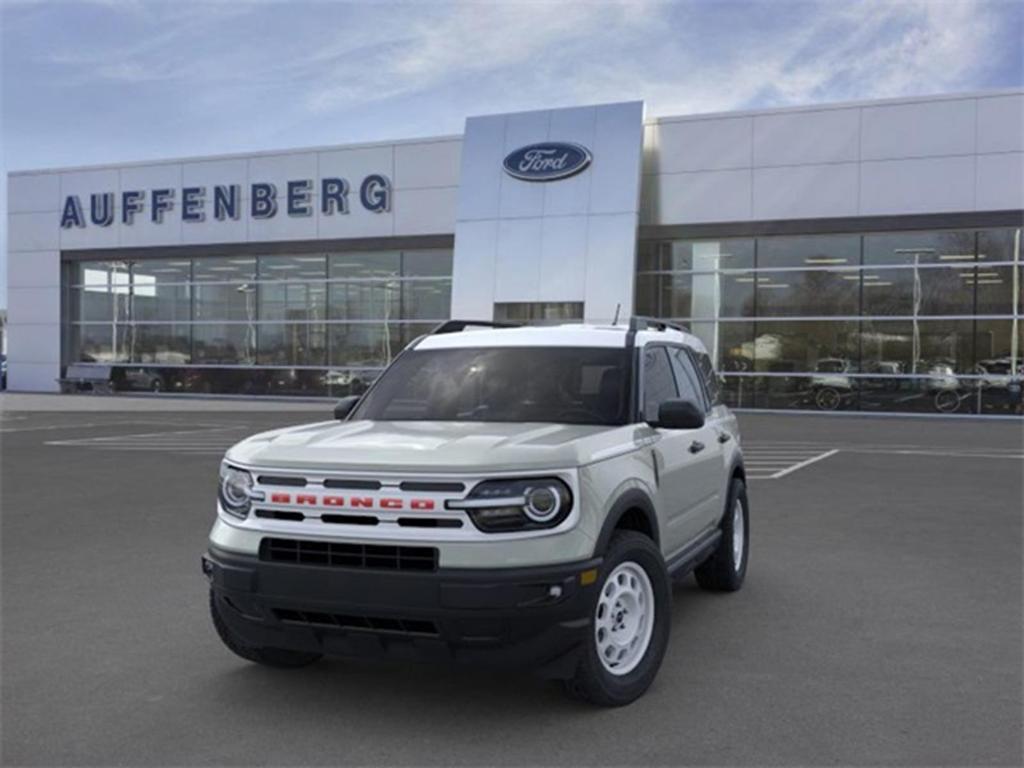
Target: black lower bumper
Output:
[{"x": 519, "y": 617}]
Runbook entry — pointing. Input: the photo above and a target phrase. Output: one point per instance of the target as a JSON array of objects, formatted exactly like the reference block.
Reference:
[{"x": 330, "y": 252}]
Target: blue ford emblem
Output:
[{"x": 547, "y": 162}]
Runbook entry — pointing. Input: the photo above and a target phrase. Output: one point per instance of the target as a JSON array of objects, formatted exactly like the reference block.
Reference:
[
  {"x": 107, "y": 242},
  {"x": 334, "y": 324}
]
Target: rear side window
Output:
[
  {"x": 686, "y": 377},
  {"x": 659, "y": 383},
  {"x": 711, "y": 380}
]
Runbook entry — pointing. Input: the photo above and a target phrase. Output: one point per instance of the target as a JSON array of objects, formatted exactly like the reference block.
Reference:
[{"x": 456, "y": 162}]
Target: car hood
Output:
[{"x": 433, "y": 446}]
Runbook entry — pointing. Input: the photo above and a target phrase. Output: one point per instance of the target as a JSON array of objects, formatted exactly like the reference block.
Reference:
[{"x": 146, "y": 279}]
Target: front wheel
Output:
[
  {"x": 725, "y": 570},
  {"x": 947, "y": 401},
  {"x": 271, "y": 657},
  {"x": 630, "y": 629}
]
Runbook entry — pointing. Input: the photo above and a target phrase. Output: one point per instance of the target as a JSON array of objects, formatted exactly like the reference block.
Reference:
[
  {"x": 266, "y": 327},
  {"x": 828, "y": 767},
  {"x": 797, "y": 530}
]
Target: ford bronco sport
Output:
[{"x": 513, "y": 495}]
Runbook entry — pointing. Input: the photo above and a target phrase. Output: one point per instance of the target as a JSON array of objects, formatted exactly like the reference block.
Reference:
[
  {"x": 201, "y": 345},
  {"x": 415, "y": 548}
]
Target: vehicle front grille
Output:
[
  {"x": 366, "y": 623},
  {"x": 349, "y": 555}
]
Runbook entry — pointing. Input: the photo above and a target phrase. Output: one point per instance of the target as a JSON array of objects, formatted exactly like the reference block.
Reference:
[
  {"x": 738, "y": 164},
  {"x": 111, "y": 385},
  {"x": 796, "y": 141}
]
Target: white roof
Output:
[{"x": 577, "y": 335}]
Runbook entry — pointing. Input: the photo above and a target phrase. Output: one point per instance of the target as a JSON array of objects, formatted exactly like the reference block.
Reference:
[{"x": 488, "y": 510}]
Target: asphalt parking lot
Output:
[{"x": 881, "y": 622}]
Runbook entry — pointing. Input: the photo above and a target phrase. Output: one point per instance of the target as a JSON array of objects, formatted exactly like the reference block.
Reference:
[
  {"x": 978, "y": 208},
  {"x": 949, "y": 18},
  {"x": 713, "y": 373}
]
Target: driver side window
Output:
[{"x": 658, "y": 383}]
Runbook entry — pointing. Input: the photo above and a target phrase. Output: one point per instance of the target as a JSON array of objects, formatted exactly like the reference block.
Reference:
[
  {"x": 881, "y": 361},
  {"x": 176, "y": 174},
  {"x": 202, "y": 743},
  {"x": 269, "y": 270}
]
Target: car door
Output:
[
  {"x": 692, "y": 386},
  {"x": 682, "y": 458}
]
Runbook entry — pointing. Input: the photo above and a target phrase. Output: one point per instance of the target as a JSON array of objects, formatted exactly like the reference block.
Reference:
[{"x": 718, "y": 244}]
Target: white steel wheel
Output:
[
  {"x": 739, "y": 532},
  {"x": 624, "y": 618}
]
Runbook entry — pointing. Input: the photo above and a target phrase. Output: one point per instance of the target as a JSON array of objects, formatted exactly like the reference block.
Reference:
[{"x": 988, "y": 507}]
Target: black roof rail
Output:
[
  {"x": 454, "y": 326},
  {"x": 641, "y": 323}
]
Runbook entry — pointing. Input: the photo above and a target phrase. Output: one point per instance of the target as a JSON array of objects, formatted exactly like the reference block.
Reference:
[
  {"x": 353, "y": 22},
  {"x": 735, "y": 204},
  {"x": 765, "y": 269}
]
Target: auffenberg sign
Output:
[
  {"x": 548, "y": 161},
  {"x": 225, "y": 202}
]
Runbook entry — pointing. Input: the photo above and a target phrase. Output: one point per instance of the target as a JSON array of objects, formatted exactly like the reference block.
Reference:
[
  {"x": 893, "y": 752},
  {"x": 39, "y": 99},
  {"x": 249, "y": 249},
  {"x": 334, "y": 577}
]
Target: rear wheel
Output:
[
  {"x": 271, "y": 657},
  {"x": 827, "y": 399},
  {"x": 725, "y": 570},
  {"x": 627, "y": 641}
]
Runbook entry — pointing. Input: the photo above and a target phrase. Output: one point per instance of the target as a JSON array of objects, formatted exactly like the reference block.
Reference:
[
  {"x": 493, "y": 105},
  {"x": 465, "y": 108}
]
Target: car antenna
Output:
[{"x": 617, "y": 308}]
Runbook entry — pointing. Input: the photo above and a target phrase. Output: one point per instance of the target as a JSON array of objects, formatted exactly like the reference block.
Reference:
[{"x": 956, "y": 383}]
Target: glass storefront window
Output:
[
  {"x": 98, "y": 343},
  {"x": 919, "y": 291},
  {"x": 426, "y": 299},
  {"x": 366, "y": 300},
  {"x": 102, "y": 276},
  {"x": 666, "y": 295},
  {"x": 363, "y": 345},
  {"x": 702, "y": 294},
  {"x": 806, "y": 346},
  {"x": 164, "y": 302},
  {"x": 225, "y": 301},
  {"x": 999, "y": 245},
  {"x": 927, "y": 347},
  {"x": 696, "y": 255},
  {"x": 169, "y": 343},
  {"x": 97, "y": 304},
  {"x": 806, "y": 293},
  {"x": 233, "y": 344},
  {"x": 363, "y": 265},
  {"x": 292, "y": 301},
  {"x": 538, "y": 312},
  {"x": 919, "y": 248},
  {"x": 808, "y": 251},
  {"x": 920, "y": 318},
  {"x": 291, "y": 344},
  {"x": 299, "y": 267},
  {"x": 282, "y": 319},
  {"x": 155, "y": 271},
  {"x": 221, "y": 269},
  {"x": 734, "y": 342},
  {"x": 436, "y": 263}
]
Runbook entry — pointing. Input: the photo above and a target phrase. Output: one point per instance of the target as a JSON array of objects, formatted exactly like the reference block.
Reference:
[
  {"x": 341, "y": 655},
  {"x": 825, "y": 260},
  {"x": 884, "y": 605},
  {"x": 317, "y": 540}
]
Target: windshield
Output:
[{"x": 562, "y": 385}]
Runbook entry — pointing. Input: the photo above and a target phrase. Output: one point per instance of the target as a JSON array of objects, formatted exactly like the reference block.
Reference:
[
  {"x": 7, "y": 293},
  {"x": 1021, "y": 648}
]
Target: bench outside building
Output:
[{"x": 87, "y": 378}]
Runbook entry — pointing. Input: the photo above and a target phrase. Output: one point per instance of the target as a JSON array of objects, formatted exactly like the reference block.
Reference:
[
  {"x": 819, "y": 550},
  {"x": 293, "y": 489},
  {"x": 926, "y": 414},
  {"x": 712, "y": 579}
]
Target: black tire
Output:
[
  {"x": 947, "y": 401},
  {"x": 592, "y": 682},
  {"x": 271, "y": 657},
  {"x": 719, "y": 573},
  {"x": 828, "y": 399}
]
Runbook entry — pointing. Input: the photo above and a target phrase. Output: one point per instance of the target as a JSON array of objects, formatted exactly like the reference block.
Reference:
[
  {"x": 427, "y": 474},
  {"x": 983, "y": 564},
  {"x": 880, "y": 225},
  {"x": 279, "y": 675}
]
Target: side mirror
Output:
[
  {"x": 679, "y": 414},
  {"x": 344, "y": 407}
]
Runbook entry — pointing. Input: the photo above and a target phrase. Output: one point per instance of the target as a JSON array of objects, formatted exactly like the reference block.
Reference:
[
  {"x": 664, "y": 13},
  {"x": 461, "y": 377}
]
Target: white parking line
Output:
[
  {"x": 805, "y": 463},
  {"x": 208, "y": 440},
  {"x": 771, "y": 461}
]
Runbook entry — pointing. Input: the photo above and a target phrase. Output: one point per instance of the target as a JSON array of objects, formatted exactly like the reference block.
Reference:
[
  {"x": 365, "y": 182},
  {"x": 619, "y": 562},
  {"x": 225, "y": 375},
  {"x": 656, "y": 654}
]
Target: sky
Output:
[{"x": 99, "y": 81}]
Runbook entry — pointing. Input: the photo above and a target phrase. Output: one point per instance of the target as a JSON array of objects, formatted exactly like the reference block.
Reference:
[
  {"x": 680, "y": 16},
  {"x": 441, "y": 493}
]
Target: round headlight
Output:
[
  {"x": 542, "y": 503},
  {"x": 235, "y": 490},
  {"x": 516, "y": 504}
]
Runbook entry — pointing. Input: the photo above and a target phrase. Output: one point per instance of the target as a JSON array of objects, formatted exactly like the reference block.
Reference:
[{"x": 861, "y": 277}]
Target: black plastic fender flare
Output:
[{"x": 633, "y": 498}]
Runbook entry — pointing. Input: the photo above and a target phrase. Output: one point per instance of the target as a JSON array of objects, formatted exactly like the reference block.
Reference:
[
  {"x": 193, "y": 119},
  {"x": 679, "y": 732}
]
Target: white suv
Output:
[{"x": 520, "y": 496}]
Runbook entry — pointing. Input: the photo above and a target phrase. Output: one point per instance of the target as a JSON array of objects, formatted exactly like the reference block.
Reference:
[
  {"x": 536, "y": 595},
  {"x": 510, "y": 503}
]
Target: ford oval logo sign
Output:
[{"x": 547, "y": 162}]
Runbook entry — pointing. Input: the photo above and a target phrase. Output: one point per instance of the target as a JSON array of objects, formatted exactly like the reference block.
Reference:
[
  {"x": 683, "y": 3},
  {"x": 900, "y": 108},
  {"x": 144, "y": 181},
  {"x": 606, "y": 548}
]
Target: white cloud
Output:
[
  {"x": 458, "y": 41},
  {"x": 590, "y": 52}
]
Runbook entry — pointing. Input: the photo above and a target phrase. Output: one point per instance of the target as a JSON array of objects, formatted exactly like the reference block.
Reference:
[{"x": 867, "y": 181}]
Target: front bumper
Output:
[{"x": 531, "y": 618}]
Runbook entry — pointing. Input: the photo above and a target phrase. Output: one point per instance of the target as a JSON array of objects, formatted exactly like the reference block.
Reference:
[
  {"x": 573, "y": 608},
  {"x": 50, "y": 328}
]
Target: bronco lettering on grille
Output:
[{"x": 354, "y": 502}]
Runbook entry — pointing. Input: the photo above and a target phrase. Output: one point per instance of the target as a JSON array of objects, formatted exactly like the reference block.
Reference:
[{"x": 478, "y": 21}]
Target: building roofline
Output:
[
  {"x": 696, "y": 116},
  {"x": 826, "y": 106},
  {"x": 446, "y": 138}
]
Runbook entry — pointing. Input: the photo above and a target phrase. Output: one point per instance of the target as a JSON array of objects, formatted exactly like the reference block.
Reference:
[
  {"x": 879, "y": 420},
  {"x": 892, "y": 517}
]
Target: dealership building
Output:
[{"x": 859, "y": 256}]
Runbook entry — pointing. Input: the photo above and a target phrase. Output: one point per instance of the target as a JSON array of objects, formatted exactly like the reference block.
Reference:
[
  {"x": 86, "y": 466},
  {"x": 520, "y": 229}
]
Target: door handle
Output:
[
  {"x": 696, "y": 446},
  {"x": 724, "y": 437}
]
